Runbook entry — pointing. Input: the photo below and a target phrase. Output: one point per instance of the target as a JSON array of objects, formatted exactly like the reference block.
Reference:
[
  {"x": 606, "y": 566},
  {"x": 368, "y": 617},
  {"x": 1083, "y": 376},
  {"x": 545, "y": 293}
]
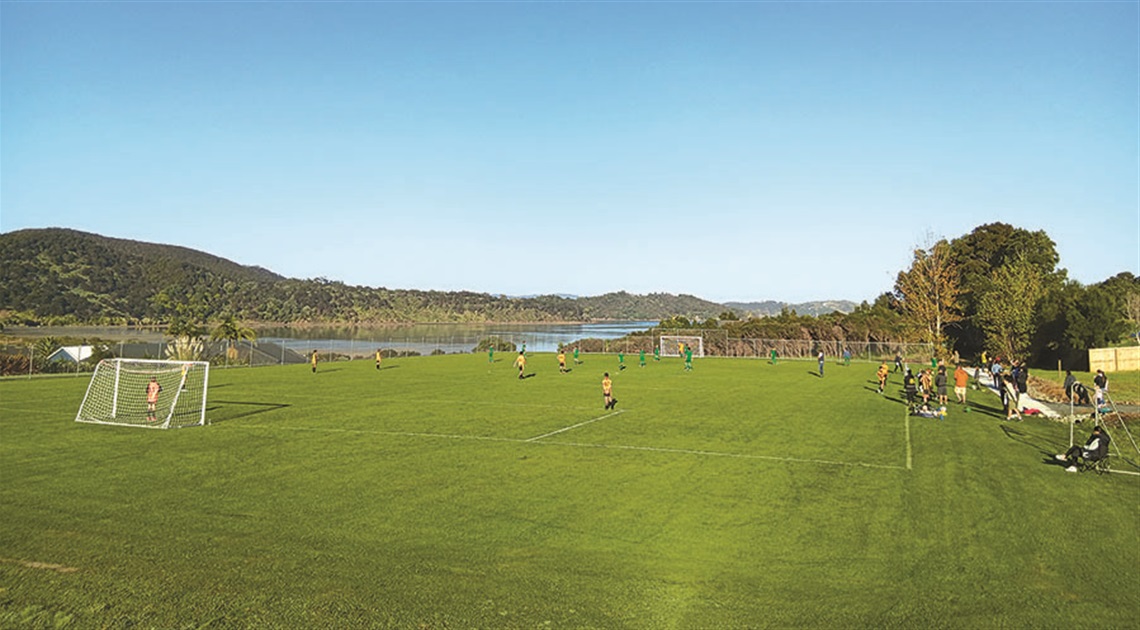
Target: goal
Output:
[
  {"x": 120, "y": 393},
  {"x": 670, "y": 345}
]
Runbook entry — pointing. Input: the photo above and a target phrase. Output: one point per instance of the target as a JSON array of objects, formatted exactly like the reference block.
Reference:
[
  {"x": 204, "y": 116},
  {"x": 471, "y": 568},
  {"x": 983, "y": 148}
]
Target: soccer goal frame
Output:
[
  {"x": 119, "y": 394},
  {"x": 669, "y": 345}
]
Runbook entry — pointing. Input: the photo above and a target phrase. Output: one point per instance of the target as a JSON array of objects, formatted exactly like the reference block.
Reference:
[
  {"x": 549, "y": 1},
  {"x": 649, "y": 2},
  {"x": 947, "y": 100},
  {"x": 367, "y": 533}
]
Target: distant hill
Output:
[
  {"x": 65, "y": 276},
  {"x": 770, "y": 308}
]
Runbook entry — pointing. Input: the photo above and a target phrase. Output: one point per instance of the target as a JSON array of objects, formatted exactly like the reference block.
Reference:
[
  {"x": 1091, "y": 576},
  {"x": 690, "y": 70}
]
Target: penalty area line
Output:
[{"x": 575, "y": 426}]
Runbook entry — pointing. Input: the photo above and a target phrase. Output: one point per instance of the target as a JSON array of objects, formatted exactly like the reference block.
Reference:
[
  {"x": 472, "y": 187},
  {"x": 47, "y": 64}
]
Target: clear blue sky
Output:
[{"x": 733, "y": 151}]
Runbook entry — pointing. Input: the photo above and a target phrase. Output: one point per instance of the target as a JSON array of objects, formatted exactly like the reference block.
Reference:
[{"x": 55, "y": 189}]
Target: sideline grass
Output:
[{"x": 424, "y": 495}]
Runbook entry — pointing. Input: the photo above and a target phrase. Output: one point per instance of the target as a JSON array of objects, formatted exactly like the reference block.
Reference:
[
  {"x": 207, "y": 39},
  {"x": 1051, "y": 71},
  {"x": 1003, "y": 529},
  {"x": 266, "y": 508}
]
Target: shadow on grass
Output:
[
  {"x": 256, "y": 408},
  {"x": 1042, "y": 444},
  {"x": 386, "y": 367}
]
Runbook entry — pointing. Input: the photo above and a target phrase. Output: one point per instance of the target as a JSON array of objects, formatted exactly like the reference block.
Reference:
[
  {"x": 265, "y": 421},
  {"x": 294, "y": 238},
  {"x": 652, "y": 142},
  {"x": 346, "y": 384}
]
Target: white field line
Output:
[
  {"x": 651, "y": 449},
  {"x": 907, "y": 424},
  {"x": 580, "y": 424}
]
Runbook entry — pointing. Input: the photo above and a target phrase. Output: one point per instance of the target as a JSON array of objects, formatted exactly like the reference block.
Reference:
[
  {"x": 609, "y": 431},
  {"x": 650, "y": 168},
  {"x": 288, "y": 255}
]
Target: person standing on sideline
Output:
[
  {"x": 773, "y": 357},
  {"x": 1009, "y": 397},
  {"x": 846, "y": 357},
  {"x": 898, "y": 362},
  {"x": 520, "y": 363},
  {"x": 882, "y": 374},
  {"x": 152, "y": 391},
  {"x": 379, "y": 358},
  {"x": 688, "y": 358},
  {"x": 821, "y": 360},
  {"x": 1070, "y": 380},
  {"x": 561, "y": 361},
  {"x": 961, "y": 380},
  {"x": 940, "y": 382},
  {"x": 313, "y": 361},
  {"x": 1100, "y": 386},
  {"x": 608, "y": 391},
  {"x": 910, "y": 386},
  {"x": 926, "y": 385},
  {"x": 491, "y": 353}
]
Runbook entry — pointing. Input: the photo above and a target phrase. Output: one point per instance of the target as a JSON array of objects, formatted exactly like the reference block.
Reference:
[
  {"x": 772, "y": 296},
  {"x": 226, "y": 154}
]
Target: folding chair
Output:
[{"x": 1099, "y": 466}]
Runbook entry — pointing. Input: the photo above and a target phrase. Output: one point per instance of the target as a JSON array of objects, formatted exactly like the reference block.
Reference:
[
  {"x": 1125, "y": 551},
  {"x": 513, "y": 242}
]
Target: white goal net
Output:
[
  {"x": 674, "y": 345},
  {"x": 146, "y": 393}
]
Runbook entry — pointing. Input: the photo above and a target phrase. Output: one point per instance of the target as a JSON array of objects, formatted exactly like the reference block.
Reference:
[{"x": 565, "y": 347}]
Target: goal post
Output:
[
  {"x": 672, "y": 345},
  {"x": 121, "y": 393}
]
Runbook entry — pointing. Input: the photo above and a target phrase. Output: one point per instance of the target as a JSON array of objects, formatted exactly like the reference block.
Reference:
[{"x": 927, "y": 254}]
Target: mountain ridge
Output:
[{"x": 64, "y": 275}]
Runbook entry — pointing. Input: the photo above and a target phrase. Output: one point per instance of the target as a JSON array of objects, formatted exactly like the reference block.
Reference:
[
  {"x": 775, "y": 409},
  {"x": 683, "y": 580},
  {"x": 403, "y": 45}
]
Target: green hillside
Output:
[{"x": 68, "y": 277}]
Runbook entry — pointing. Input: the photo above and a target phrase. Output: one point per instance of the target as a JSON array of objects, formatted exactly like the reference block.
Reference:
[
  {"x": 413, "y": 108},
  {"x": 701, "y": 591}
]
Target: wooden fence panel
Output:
[{"x": 1114, "y": 359}]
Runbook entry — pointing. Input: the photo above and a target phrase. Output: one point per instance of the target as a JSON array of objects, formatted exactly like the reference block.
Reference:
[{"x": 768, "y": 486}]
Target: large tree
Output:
[
  {"x": 978, "y": 254},
  {"x": 929, "y": 293},
  {"x": 1006, "y": 306}
]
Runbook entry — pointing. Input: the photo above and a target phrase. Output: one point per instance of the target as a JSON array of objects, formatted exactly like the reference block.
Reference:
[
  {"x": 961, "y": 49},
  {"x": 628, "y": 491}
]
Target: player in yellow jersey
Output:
[
  {"x": 520, "y": 363},
  {"x": 379, "y": 358},
  {"x": 882, "y": 374},
  {"x": 313, "y": 361},
  {"x": 562, "y": 361},
  {"x": 608, "y": 391}
]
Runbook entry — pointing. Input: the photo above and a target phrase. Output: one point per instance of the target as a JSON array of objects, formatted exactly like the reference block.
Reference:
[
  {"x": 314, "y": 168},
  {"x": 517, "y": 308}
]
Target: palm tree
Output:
[{"x": 232, "y": 331}]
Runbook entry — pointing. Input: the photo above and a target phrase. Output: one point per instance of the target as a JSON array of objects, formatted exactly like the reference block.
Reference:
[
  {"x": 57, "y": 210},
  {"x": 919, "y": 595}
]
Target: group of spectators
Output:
[
  {"x": 1079, "y": 394},
  {"x": 1011, "y": 385},
  {"x": 930, "y": 383}
]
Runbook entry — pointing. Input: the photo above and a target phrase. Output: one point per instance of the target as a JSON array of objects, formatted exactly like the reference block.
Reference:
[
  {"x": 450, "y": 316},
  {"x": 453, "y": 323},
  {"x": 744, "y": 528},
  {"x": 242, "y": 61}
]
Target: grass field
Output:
[{"x": 443, "y": 492}]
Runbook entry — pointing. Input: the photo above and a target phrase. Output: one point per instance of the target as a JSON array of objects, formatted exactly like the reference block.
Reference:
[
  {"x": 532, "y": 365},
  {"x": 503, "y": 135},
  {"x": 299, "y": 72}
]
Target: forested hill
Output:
[{"x": 63, "y": 276}]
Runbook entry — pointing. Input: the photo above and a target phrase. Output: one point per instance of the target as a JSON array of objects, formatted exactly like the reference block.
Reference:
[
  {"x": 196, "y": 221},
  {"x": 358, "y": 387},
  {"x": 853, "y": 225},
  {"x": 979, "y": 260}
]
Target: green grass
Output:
[{"x": 424, "y": 495}]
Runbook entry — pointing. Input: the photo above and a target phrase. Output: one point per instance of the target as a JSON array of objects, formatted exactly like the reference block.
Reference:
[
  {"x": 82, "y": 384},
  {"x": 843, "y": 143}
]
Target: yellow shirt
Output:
[
  {"x": 562, "y": 357},
  {"x": 607, "y": 385},
  {"x": 520, "y": 362}
]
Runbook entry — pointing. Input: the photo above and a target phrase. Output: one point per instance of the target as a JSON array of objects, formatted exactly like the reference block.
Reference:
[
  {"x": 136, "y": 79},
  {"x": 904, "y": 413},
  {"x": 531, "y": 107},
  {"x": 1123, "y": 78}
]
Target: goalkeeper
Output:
[{"x": 152, "y": 391}]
